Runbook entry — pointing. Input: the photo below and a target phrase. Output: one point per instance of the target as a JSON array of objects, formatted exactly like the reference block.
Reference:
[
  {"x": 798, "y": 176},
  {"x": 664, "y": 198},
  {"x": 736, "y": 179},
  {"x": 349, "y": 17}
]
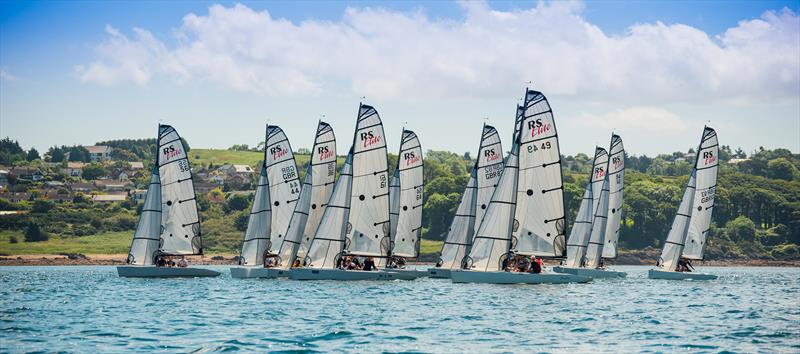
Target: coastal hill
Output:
[{"x": 86, "y": 199}]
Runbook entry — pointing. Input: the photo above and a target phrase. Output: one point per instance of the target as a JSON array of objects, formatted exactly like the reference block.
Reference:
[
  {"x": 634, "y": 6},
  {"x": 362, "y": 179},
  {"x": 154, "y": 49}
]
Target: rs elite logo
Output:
[
  {"x": 277, "y": 152},
  {"x": 368, "y": 139},
  {"x": 490, "y": 155},
  {"x": 708, "y": 157},
  {"x": 599, "y": 173},
  {"x": 324, "y": 153},
  {"x": 170, "y": 152},
  {"x": 411, "y": 158},
  {"x": 538, "y": 128},
  {"x": 616, "y": 161}
]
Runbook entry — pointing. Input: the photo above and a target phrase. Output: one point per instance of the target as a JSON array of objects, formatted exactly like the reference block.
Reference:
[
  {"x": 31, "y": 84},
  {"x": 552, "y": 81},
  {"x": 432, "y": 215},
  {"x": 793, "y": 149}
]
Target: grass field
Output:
[
  {"x": 430, "y": 246},
  {"x": 105, "y": 243},
  {"x": 221, "y": 157}
]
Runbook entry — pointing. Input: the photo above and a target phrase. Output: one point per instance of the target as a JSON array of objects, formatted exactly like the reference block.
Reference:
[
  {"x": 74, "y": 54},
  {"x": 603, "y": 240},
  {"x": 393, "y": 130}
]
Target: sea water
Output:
[{"x": 91, "y": 309}]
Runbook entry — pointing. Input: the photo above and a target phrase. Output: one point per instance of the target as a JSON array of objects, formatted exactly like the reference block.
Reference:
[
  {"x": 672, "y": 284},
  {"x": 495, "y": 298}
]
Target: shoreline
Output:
[{"x": 229, "y": 259}]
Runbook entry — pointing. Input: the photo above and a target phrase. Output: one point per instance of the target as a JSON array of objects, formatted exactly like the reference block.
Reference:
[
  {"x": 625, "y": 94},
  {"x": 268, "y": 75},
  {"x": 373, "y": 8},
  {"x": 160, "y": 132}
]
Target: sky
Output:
[{"x": 654, "y": 72}]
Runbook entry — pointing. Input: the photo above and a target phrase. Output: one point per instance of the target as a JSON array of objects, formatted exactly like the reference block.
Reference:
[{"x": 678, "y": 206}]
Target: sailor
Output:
[
  {"x": 369, "y": 264},
  {"x": 536, "y": 265},
  {"x": 182, "y": 263},
  {"x": 296, "y": 263},
  {"x": 161, "y": 262}
]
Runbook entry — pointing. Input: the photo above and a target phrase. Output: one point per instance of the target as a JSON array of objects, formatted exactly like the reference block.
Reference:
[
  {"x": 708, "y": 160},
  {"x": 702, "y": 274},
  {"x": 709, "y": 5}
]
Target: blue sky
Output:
[{"x": 82, "y": 71}]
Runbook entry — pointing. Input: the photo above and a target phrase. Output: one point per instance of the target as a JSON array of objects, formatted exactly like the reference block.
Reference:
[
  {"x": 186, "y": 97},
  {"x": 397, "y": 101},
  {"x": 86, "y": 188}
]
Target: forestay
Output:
[
  {"x": 706, "y": 167},
  {"x": 328, "y": 242},
  {"x": 256, "y": 236},
  {"x": 179, "y": 217},
  {"x": 459, "y": 235},
  {"x": 539, "y": 220},
  {"x": 490, "y": 167},
  {"x": 146, "y": 239},
  {"x": 616, "y": 170},
  {"x": 673, "y": 246},
  {"x": 314, "y": 196},
  {"x": 406, "y": 233},
  {"x": 368, "y": 222},
  {"x": 284, "y": 184},
  {"x": 492, "y": 241}
]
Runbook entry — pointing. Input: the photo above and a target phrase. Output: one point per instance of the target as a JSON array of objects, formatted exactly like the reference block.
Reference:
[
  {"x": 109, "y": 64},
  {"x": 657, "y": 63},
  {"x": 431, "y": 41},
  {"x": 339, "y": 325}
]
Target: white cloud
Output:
[
  {"x": 388, "y": 54},
  {"x": 6, "y": 76},
  {"x": 638, "y": 119}
]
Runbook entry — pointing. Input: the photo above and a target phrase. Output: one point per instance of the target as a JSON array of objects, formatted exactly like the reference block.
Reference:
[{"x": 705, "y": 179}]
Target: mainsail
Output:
[
  {"x": 284, "y": 184},
  {"x": 594, "y": 250},
  {"x": 706, "y": 166},
  {"x": 328, "y": 241},
  {"x": 490, "y": 167},
  {"x": 616, "y": 170},
  {"x": 256, "y": 236},
  {"x": 581, "y": 229},
  {"x": 406, "y": 230},
  {"x": 144, "y": 246},
  {"x": 673, "y": 246},
  {"x": 539, "y": 220},
  {"x": 317, "y": 188},
  {"x": 459, "y": 235},
  {"x": 180, "y": 221},
  {"x": 368, "y": 222},
  {"x": 492, "y": 241}
]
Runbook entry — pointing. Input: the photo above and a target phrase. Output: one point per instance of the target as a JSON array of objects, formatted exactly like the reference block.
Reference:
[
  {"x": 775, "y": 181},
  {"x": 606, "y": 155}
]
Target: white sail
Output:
[
  {"x": 616, "y": 170},
  {"x": 492, "y": 241},
  {"x": 594, "y": 250},
  {"x": 368, "y": 222},
  {"x": 581, "y": 229},
  {"x": 180, "y": 220},
  {"x": 256, "y": 236},
  {"x": 673, "y": 246},
  {"x": 328, "y": 242},
  {"x": 459, "y": 235},
  {"x": 316, "y": 191},
  {"x": 490, "y": 167},
  {"x": 146, "y": 239},
  {"x": 394, "y": 201},
  {"x": 284, "y": 184},
  {"x": 406, "y": 233},
  {"x": 539, "y": 222},
  {"x": 706, "y": 166}
]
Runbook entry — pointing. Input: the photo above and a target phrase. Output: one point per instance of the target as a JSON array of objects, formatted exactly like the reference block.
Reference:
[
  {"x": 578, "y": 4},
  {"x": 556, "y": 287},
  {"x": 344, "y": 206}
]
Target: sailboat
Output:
[
  {"x": 277, "y": 193},
  {"x": 356, "y": 219},
  {"x": 525, "y": 216},
  {"x": 477, "y": 194},
  {"x": 268, "y": 215},
  {"x": 687, "y": 237},
  {"x": 170, "y": 223},
  {"x": 405, "y": 205},
  {"x": 587, "y": 241}
]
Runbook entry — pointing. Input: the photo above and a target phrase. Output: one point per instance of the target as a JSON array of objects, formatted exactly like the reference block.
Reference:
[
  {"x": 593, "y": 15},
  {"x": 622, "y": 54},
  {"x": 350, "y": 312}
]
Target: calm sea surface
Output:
[{"x": 85, "y": 309}]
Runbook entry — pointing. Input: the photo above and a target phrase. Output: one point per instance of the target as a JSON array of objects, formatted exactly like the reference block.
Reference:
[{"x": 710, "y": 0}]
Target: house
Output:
[
  {"x": 109, "y": 198},
  {"x": 75, "y": 169},
  {"x": 29, "y": 173},
  {"x": 113, "y": 184},
  {"x": 16, "y": 197},
  {"x": 204, "y": 187},
  {"x": 82, "y": 187},
  {"x": 737, "y": 161},
  {"x": 3, "y": 177},
  {"x": 122, "y": 176},
  {"x": 236, "y": 170},
  {"x": 216, "y": 179},
  {"x": 54, "y": 184},
  {"x": 136, "y": 165},
  {"x": 54, "y": 196},
  {"x": 138, "y": 195},
  {"x": 99, "y": 153}
]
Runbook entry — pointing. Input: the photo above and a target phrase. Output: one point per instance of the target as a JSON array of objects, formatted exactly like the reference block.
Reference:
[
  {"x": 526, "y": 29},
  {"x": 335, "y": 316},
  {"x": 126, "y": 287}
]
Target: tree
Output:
[
  {"x": 56, "y": 154},
  {"x": 78, "y": 154},
  {"x": 35, "y": 234},
  {"x": 10, "y": 152},
  {"x": 781, "y": 168},
  {"x": 42, "y": 206},
  {"x": 741, "y": 229},
  {"x": 94, "y": 171},
  {"x": 32, "y": 155},
  {"x": 237, "y": 202}
]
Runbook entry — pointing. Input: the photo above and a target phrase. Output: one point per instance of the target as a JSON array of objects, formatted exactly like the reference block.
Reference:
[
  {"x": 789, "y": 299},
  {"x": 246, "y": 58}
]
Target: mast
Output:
[
  {"x": 407, "y": 227},
  {"x": 368, "y": 221},
  {"x": 706, "y": 166},
  {"x": 284, "y": 185},
  {"x": 146, "y": 239},
  {"x": 315, "y": 193},
  {"x": 328, "y": 242},
  {"x": 179, "y": 217},
  {"x": 616, "y": 170},
  {"x": 259, "y": 224},
  {"x": 539, "y": 227}
]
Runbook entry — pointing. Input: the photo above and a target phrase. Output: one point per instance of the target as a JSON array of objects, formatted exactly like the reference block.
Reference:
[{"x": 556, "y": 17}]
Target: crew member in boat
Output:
[
  {"x": 182, "y": 263},
  {"x": 602, "y": 265},
  {"x": 536, "y": 265},
  {"x": 369, "y": 264},
  {"x": 297, "y": 263},
  {"x": 161, "y": 262}
]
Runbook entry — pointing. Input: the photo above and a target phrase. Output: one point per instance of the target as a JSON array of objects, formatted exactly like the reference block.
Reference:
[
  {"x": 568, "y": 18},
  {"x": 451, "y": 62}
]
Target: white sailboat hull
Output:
[
  {"x": 468, "y": 276},
  {"x": 259, "y": 272},
  {"x": 162, "y": 272},
  {"x": 346, "y": 275},
  {"x": 439, "y": 273},
  {"x": 412, "y": 273},
  {"x": 668, "y": 275},
  {"x": 594, "y": 273}
]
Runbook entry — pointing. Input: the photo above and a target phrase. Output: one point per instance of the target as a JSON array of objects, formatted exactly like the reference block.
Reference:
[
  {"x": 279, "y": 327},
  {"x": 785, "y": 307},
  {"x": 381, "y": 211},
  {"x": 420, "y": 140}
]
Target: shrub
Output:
[
  {"x": 35, "y": 234},
  {"x": 42, "y": 206},
  {"x": 13, "y": 239}
]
